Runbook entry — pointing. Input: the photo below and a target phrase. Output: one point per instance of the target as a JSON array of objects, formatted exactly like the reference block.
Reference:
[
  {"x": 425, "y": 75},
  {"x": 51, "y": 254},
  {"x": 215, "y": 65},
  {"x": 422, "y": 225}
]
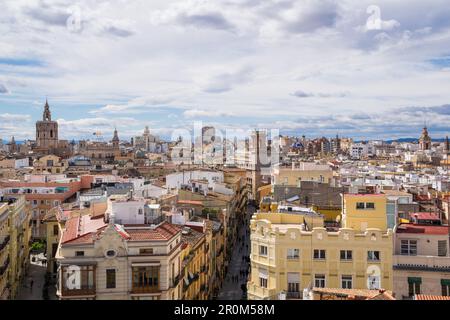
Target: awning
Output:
[
  {"x": 146, "y": 264},
  {"x": 414, "y": 280},
  {"x": 445, "y": 282},
  {"x": 263, "y": 274},
  {"x": 293, "y": 277}
]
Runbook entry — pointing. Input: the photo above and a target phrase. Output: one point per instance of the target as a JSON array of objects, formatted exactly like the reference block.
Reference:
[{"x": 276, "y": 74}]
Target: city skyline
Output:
[{"x": 301, "y": 67}]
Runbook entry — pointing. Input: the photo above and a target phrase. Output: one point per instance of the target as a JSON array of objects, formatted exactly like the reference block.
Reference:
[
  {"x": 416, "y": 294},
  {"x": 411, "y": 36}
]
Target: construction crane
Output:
[{"x": 98, "y": 136}]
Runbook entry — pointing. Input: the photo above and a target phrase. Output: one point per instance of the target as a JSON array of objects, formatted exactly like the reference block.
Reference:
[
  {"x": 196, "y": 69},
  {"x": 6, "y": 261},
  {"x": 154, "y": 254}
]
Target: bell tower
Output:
[{"x": 47, "y": 130}]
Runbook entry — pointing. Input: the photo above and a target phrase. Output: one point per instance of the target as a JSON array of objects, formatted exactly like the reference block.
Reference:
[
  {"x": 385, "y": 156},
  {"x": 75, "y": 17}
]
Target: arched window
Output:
[{"x": 51, "y": 133}]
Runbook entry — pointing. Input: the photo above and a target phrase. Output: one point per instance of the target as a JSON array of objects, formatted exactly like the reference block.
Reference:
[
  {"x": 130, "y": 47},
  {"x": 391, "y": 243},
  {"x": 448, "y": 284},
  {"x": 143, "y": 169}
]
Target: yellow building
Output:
[
  {"x": 49, "y": 164},
  {"x": 4, "y": 251},
  {"x": 194, "y": 267},
  {"x": 362, "y": 211},
  {"x": 17, "y": 241},
  {"x": 304, "y": 171},
  {"x": 291, "y": 251}
]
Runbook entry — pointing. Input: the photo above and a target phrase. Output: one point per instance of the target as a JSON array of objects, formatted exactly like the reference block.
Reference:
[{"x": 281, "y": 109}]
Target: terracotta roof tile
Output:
[
  {"x": 425, "y": 229},
  {"x": 430, "y": 297},
  {"x": 163, "y": 232}
]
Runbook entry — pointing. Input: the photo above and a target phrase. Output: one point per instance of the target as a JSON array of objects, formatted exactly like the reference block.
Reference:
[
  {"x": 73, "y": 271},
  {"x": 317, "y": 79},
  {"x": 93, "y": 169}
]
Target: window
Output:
[
  {"x": 262, "y": 250},
  {"x": 346, "y": 282},
  {"x": 263, "y": 282},
  {"x": 319, "y": 254},
  {"x": 370, "y": 205},
  {"x": 408, "y": 247},
  {"x": 55, "y": 230},
  {"x": 85, "y": 281},
  {"x": 319, "y": 280},
  {"x": 293, "y": 279},
  {"x": 373, "y": 255},
  {"x": 346, "y": 254},
  {"x": 145, "y": 279},
  {"x": 146, "y": 251},
  {"x": 79, "y": 253},
  {"x": 442, "y": 248},
  {"x": 263, "y": 278},
  {"x": 111, "y": 253},
  {"x": 374, "y": 282},
  {"x": 365, "y": 205},
  {"x": 293, "y": 287},
  {"x": 110, "y": 278},
  {"x": 414, "y": 285},
  {"x": 445, "y": 284},
  {"x": 293, "y": 253}
]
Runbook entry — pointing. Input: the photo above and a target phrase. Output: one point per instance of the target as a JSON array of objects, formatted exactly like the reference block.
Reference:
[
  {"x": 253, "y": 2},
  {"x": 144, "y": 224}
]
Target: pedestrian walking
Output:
[{"x": 31, "y": 285}]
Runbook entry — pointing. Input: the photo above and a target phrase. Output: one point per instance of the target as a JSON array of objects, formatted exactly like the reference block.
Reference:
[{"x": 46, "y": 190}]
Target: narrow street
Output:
[
  {"x": 239, "y": 267},
  {"x": 33, "y": 284}
]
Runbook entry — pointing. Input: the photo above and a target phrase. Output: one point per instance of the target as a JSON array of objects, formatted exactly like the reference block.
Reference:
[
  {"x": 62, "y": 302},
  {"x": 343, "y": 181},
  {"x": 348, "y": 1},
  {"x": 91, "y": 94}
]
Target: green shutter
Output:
[
  {"x": 414, "y": 280},
  {"x": 445, "y": 282}
]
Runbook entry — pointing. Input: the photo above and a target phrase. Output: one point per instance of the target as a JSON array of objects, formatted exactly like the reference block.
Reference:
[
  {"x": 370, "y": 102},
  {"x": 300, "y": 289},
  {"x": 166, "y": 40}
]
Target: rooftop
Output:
[{"x": 424, "y": 229}]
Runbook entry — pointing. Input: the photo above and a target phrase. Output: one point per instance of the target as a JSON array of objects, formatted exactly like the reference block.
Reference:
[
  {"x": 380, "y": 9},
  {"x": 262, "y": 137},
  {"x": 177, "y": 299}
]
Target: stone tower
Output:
[
  {"x": 425, "y": 140},
  {"x": 115, "y": 140},
  {"x": 47, "y": 130}
]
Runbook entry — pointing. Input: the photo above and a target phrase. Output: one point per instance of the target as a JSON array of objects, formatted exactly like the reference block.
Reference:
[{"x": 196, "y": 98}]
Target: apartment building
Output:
[
  {"x": 292, "y": 251},
  {"x": 15, "y": 235},
  {"x": 121, "y": 254},
  {"x": 99, "y": 260},
  {"x": 43, "y": 192},
  {"x": 421, "y": 258},
  {"x": 49, "y": 164},
  {"x": 5, "y": 258},
  {"x": 194, "y": 263},
  {"x": 362, "y": 211},
  {"x": 304, "y": 171}
]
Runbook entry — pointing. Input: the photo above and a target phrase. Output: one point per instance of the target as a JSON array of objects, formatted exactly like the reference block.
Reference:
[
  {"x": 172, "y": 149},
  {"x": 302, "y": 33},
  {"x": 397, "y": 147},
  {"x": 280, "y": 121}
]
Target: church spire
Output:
[
  {"x": 47, "y": 116},
  {"x": 115, "y": 139}
]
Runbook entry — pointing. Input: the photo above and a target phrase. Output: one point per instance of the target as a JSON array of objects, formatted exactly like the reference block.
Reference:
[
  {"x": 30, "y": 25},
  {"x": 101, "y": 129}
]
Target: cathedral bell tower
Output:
[{"x": 47, "y": 130}]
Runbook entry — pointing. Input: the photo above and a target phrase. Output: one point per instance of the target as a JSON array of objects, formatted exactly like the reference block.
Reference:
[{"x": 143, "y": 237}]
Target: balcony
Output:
[
  {"x": 293, "y": 295},
  {"x": 82, "y": 291},
  {"x": 5, "y": 242},
  {"x": 4, "y": 267},
  {"x": 262, "y": 293},
  {"x": 421, "y": 263},
  {"x": 145, "y": 289}
]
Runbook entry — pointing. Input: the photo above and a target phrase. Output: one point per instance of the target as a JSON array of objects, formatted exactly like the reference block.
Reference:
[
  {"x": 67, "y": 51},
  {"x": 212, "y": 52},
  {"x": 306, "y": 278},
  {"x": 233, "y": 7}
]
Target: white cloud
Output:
[
  {"x": 195, "y": 113},
  {"x": 205, "y": 58}
]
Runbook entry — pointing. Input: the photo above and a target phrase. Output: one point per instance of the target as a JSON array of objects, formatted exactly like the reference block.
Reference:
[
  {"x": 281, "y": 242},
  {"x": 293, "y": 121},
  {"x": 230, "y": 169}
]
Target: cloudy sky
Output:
[{"x": 303, "y": 66}]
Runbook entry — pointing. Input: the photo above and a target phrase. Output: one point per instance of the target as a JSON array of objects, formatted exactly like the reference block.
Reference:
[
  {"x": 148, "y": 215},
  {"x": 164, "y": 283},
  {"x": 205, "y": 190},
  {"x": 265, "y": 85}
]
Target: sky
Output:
[{"x": 362, "y": 69}]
